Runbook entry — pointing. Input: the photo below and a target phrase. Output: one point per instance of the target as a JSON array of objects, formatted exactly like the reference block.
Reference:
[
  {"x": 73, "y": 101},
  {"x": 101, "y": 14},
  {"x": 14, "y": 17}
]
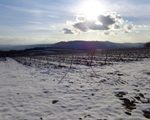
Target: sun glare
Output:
[{"x": 91, "y": 9}]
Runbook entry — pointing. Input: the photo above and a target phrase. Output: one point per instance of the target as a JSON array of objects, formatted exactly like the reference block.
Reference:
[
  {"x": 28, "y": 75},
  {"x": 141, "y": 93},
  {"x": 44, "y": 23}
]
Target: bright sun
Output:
[{"x": 91, "y": 9}]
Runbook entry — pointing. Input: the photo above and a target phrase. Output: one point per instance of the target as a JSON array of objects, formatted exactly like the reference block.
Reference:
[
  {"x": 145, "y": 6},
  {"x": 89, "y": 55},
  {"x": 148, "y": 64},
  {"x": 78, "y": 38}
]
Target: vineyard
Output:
[{"x": 88, "y": 58}]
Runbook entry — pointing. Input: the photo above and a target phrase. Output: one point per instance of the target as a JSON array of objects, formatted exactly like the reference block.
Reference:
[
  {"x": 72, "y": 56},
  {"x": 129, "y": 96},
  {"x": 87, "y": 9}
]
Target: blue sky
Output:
[{"x": 43, "y": 21}]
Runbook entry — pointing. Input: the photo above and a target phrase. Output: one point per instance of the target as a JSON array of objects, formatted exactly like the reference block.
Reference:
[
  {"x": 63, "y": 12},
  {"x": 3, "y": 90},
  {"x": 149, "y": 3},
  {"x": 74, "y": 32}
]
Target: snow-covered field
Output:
[{"x": 114, "y": 92}]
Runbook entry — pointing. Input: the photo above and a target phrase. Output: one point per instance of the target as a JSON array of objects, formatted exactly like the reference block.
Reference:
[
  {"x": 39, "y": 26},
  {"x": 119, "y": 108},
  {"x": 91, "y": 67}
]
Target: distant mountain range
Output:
[
  {"x": 78, "y": 45},
  {"x": 95, "y": 45}
]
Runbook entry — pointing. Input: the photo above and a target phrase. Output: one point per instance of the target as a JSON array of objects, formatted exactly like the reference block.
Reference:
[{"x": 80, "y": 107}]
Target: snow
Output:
[{"x": 28, "y": 93}]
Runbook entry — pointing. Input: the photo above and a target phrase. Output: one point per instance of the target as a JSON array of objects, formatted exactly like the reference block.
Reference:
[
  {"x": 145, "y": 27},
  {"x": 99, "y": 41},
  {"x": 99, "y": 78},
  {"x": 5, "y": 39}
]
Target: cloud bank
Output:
[{"x": 106, "y": 23}]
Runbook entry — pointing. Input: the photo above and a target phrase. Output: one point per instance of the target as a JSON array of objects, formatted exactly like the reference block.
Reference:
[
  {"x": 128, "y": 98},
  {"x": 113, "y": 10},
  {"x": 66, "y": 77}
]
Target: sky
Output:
[{"x": 49, "y": 21}]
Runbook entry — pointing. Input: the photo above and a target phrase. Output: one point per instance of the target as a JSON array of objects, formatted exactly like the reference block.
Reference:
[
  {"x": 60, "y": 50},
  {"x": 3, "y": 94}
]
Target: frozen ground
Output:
[{"x": 115, "y": 92}]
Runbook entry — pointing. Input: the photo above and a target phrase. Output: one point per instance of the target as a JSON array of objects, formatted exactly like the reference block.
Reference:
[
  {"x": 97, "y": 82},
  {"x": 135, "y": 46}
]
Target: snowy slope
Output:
[{"x": 28, "y": 93}]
